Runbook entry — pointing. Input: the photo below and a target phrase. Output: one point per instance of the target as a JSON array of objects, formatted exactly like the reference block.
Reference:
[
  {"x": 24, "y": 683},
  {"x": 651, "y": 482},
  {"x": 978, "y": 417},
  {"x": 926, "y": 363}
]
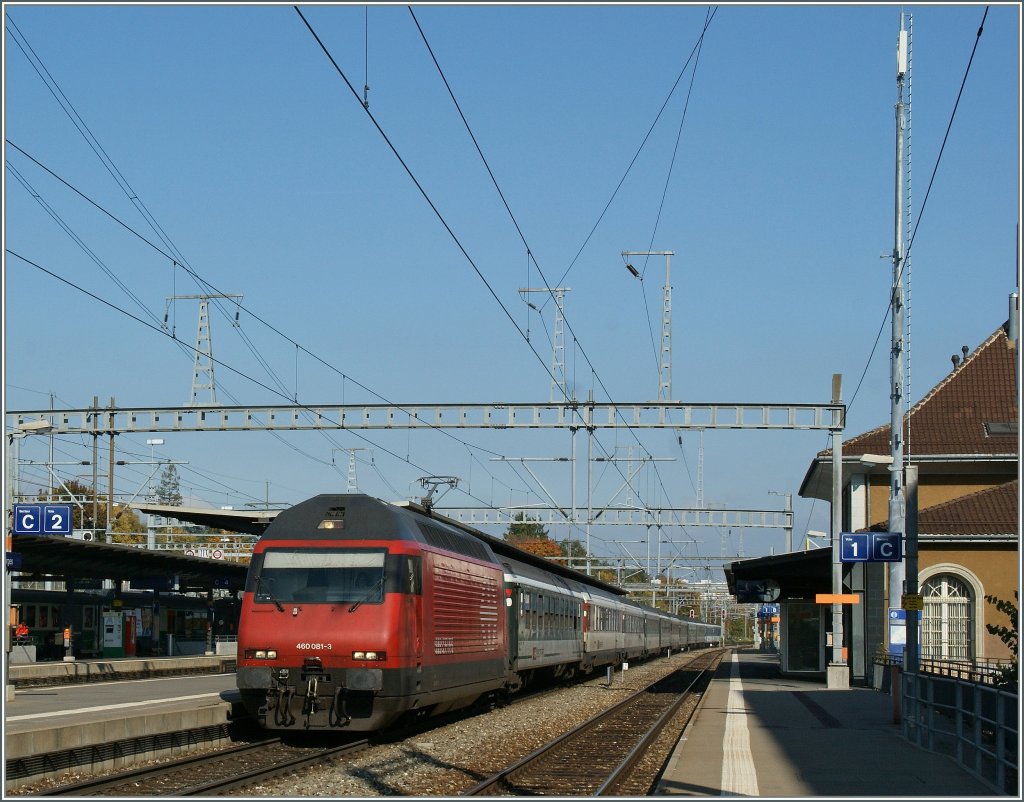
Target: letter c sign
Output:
[{"x": 886, "y": 546}]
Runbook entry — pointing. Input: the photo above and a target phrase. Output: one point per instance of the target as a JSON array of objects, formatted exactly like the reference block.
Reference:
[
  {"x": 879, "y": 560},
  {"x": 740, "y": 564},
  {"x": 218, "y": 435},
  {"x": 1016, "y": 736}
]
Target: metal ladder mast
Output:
[
  {"x": 559, "y": 389},
  {"x": 665, "y": 359},
  {"x": 203, "y": 378},
  {"x": 665, "y": 383},
  {"x": 897, "y": 363}
]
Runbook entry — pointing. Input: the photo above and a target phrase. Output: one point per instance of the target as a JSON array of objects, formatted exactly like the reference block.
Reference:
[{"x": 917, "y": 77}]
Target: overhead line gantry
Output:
[{"x": 580, "y": 415}]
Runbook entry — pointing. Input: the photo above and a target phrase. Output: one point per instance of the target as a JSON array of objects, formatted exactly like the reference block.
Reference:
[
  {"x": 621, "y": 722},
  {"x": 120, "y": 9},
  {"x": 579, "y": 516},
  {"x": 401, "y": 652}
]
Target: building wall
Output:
[
  {"x": 931, "y": 490},
  {"x": 989, "y": 569}
]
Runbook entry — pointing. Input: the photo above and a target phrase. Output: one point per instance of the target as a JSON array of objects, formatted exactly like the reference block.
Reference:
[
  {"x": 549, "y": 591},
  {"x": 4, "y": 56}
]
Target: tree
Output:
[
  {"x": 1007, "y": 634},
  {"x": 169, "y": 490},
  {"x": 81, "y": 499},
  {"x": 530, "y": 535},
  {"x": 125, "y": 524},
  {"x": 128, "y": 527},
  {"x": 523, "y": 528}
]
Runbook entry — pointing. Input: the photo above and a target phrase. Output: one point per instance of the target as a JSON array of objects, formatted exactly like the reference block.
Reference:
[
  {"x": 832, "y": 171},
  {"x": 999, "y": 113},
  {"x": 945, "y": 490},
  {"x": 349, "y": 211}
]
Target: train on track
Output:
[{"x": 357, "y": 612}]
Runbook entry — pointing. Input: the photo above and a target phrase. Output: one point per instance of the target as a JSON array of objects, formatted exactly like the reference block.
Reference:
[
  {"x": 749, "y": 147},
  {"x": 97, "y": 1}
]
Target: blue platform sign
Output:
[
  {"x": 886, "y": 547},
  {"x": 42, "y": 519},
  {"x": 876, "y": 547},
  {"x": 13, "y": 561},
  {"x": 854, "y": 548},
  {"x": 28, "y": 519}
]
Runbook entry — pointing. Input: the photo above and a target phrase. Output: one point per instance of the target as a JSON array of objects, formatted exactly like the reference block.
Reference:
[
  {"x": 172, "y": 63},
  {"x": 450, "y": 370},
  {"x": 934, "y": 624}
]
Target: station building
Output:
[{"x": 963, "y": 436}]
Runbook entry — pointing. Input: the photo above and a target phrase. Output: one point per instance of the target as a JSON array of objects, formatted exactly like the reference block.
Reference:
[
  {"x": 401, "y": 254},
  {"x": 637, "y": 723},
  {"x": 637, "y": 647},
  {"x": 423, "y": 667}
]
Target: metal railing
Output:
[
  {"x": 974, "y": 722},
  {"x": 976, "y": 669}
]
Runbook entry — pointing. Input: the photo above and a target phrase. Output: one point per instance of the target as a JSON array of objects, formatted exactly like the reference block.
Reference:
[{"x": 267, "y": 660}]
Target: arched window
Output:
[{"x": 947, "y": 621}]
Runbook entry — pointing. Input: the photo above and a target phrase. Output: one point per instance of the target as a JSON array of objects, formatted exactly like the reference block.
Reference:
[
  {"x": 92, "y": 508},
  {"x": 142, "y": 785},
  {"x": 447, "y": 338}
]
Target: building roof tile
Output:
[
  {"x": 992, "y": 511},
  {"x": 972, "y": 411}
]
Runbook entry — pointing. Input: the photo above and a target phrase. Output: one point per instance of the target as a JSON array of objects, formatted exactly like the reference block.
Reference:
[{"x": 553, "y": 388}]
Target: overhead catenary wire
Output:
[
  {"x": 924, "y": 203},
  {"x": 515, "y": 222},
  {"x": 218, "y": 361},
  {"x": 248, "y": 311},
  {"x": 177, "y": 257},
  {"x": 636, "y": 155},
  {"x": 101, "y": 153},
  {"x": 917, "y": 222},
  {"x": 433, "y": 206},
  {"x": 664, "y": 193}
]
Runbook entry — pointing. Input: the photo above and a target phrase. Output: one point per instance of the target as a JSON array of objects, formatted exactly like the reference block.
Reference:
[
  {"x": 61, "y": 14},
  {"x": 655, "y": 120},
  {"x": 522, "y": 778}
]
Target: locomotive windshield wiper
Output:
[
  {"x": 367, "y": 595},
  {"x": 269, "y": 595}
]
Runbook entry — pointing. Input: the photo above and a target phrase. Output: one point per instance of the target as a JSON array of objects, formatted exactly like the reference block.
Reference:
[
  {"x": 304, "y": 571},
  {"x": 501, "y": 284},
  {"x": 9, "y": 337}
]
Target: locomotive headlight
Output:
[
  {"x": 261, "y": 654},
  {"x": 378, "y": 656}
]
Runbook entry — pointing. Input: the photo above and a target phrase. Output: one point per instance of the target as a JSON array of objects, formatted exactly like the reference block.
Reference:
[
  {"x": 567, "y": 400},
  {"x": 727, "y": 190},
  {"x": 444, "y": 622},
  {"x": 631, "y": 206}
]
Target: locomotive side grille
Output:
[
  {"x": 451, "y": 541},
  {"x": 465, "y": 612}
]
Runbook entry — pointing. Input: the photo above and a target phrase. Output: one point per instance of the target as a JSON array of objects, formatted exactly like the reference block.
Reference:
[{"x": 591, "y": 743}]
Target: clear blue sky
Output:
[{"x": 257, "y": 162}]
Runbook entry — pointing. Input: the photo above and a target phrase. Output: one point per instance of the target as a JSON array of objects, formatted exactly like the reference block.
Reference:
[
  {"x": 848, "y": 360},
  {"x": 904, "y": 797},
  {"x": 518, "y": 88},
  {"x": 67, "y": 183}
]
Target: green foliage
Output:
[
  {"x": 1007, "y": 634},
  {"x": 523, "y": 528},
  {"x": 169, "y": 490}
]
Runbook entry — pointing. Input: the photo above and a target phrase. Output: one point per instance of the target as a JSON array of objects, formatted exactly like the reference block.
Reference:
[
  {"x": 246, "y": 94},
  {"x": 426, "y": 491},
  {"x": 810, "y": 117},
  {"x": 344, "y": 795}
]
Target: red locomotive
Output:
[{"x": 357, "y": 611}]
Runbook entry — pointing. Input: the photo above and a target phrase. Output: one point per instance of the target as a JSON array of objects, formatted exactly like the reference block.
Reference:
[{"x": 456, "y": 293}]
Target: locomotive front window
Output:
[{"x": 355, "y": 576}]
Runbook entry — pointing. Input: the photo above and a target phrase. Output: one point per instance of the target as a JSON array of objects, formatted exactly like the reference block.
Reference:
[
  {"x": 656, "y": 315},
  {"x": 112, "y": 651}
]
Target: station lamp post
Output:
[
  {"x": 20, "y": 432},
  {"x": 150, "y": 529}
]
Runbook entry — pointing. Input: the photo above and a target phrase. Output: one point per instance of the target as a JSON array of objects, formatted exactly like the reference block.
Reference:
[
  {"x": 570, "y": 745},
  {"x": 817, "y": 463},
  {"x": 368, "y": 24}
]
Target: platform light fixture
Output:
[{"x": 873, "y": 460}]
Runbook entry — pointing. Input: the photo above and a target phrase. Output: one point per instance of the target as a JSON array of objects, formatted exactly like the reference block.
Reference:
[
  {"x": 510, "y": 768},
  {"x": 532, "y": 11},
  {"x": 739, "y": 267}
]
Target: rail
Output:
[
  {"x": 976, "y": 723},
  {"x": 596, "y": 758}
]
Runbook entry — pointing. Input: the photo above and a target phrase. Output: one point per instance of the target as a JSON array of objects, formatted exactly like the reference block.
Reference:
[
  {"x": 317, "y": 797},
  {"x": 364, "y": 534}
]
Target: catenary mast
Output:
[{"x": 897, "y": 366}]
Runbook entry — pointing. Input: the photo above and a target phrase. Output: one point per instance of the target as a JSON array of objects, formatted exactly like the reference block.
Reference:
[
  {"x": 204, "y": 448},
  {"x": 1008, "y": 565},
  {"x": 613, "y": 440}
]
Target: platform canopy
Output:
[
  {"x": 55, "y": 558},
  {"x": 249, "y": 522},
  {"x": 799, "y": 575}
]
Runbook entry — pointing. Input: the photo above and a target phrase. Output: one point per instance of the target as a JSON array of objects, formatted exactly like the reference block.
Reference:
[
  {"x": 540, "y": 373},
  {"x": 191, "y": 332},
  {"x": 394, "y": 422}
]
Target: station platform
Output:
[
  {"x": 57, "y": 672},
  {"x": 758, "y": 733},
  {"x": 107, "y": 721}
]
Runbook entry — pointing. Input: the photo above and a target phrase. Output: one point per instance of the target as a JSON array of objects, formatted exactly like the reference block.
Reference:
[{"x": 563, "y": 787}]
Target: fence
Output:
[
  {"x": 975, "y": 722},
  {"x": 984, "y": 670}
]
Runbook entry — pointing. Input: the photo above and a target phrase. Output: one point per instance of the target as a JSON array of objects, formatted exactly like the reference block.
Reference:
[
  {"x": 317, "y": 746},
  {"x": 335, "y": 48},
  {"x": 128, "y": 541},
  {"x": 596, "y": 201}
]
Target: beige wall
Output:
[{"x": 995, "y": 567}]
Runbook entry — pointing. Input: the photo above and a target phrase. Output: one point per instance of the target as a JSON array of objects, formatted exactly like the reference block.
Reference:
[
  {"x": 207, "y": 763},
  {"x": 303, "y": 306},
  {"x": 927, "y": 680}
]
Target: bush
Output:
[{"x": 1008, "y": 635}]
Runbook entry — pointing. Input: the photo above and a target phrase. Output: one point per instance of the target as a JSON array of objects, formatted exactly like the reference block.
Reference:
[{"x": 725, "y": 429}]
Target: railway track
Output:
[
  {"x": 212, "y": 774},
  {"x": 602, "y": 755},
  {"x": 258, "y": 763}
]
